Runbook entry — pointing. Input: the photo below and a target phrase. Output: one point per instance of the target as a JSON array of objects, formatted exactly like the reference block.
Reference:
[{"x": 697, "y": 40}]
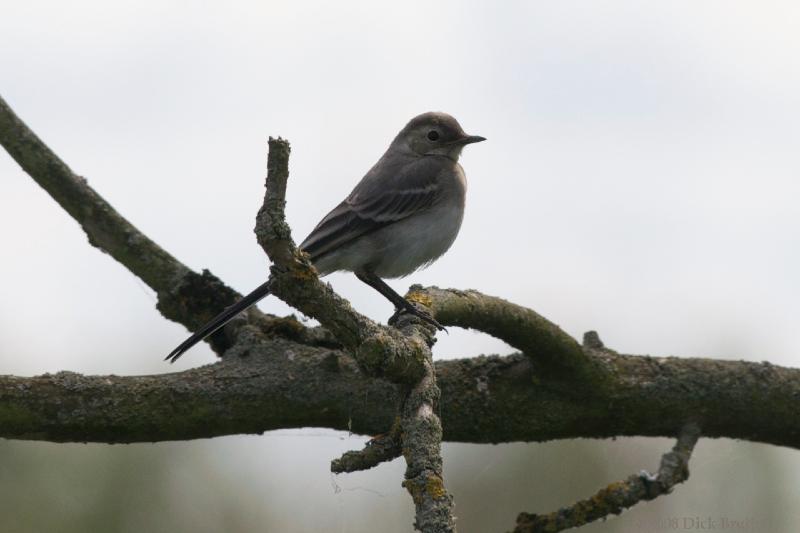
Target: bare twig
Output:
[
  {"x": 379, "y": 449},
  {"x": 622, "y": 495},
  {"x": 294, "y": 279}
]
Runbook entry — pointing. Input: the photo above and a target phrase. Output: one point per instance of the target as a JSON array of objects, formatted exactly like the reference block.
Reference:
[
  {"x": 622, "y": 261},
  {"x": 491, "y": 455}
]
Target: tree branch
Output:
[
  {"x": 617, "y": 497},
  {"x": 267, "y": 384},
  {"x": 422, "y": 438},
  {"x": 294, "y": 278},
  {"x": 524, "y": 329},
  {"x": 184, "y": 296}
]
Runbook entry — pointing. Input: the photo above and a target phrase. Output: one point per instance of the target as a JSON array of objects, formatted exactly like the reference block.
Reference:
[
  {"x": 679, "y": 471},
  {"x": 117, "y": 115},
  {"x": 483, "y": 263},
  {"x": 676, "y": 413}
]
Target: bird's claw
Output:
[{"x": 419, "y": 313}]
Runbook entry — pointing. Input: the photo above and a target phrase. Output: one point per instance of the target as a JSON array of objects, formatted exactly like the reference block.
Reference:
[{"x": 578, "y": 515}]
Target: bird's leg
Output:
[{"x": 400, "y": 303}]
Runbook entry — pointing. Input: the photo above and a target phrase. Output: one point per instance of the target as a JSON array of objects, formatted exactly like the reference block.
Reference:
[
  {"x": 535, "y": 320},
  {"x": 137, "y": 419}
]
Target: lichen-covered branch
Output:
[
  {"x": 484, "y": 400},
  {"x": 422, "y": 439},
  {"x": 553, "y": 350},
  {"x": 617, "y": 497},
  {"x": 294, "y": 279},
  {"x": 184, "y": 296}
]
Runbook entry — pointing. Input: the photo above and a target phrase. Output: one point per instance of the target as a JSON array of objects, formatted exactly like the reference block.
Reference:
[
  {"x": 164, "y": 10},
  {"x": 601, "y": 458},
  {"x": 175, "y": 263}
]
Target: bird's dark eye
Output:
[{"x": 433, "y": 135}]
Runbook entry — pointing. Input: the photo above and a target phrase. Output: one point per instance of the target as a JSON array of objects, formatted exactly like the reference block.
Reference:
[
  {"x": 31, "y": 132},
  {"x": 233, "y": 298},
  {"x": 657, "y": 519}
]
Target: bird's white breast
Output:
[{"x": 423, "y": 239}]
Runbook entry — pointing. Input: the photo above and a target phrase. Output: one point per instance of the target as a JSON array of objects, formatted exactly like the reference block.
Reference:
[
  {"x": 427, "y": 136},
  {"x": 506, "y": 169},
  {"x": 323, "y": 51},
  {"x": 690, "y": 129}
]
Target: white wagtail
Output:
[{"x": 402, "y": 216}]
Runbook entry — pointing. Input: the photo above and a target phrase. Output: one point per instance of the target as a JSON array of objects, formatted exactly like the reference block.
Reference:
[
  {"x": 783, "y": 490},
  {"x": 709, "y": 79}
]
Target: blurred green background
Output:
[{"x": 640, "y": 179}]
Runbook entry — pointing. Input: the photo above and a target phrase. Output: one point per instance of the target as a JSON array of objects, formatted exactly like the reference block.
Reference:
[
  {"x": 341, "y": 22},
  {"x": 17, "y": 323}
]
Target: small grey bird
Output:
[{"x": 402, "y": 216}]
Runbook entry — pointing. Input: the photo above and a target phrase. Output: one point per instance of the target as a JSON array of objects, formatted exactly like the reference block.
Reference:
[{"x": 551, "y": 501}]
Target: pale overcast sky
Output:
[{"x": 641, "y": 175}]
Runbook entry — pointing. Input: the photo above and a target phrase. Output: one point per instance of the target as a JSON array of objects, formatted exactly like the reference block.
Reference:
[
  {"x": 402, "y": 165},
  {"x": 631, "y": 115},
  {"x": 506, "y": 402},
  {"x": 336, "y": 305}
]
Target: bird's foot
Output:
[{"x": 411, "y": 309}]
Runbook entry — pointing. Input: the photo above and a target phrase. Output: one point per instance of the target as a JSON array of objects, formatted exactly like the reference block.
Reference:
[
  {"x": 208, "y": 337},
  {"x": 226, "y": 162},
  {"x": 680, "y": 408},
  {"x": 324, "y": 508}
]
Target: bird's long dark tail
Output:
[{"x": 218, "y": 321}]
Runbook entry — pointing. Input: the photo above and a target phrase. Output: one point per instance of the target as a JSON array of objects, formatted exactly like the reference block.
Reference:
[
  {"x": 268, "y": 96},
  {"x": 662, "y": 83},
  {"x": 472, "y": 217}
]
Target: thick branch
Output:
[
  {"x": 183, "y": 295},
  {"x": 622, "y": 495},
  {"x": 484, "y": 399}
]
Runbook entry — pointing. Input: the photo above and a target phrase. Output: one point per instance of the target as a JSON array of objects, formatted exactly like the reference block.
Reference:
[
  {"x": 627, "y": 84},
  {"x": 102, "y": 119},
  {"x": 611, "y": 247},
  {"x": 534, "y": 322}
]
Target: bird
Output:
[{"x": 402, "y": 216}]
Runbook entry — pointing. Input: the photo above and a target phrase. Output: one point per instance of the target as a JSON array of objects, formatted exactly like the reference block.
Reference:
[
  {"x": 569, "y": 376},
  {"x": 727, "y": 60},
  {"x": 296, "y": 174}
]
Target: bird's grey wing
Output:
[{"x": 377, "y": 201}]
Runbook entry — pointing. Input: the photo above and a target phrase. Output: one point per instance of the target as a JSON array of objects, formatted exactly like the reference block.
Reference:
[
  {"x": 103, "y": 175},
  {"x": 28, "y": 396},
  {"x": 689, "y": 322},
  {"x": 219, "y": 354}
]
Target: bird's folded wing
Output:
[{"x": 377, "y": 202}]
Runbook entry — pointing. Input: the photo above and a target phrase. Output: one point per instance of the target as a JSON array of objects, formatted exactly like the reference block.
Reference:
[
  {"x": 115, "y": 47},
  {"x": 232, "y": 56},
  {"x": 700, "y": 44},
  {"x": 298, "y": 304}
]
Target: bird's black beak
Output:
[{"x": 469, "y": 139}]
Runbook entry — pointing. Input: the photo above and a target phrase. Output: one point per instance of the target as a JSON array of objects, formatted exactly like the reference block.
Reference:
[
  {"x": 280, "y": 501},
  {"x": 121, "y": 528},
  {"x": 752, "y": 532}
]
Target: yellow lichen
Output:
[
  {"x": 413, "y": 489},
  {"x": 435, "y": 487},
  {"x": 304, "y": 273},
  {"x": 420, "y": 298}
]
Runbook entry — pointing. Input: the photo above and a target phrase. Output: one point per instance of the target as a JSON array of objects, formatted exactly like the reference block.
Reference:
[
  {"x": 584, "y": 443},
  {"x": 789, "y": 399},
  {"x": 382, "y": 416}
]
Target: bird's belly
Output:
[
  {"x": 416, "y": 242},
  {"x": 401, "y": 248}
]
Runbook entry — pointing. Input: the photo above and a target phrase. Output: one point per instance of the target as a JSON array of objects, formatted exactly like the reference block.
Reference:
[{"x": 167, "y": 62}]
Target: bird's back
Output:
[{"x": 405, "y": 211}]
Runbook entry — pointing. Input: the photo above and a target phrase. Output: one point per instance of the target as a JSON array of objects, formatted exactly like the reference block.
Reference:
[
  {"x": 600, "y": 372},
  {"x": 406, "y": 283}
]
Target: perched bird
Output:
[{"x": 402, "y": 216}]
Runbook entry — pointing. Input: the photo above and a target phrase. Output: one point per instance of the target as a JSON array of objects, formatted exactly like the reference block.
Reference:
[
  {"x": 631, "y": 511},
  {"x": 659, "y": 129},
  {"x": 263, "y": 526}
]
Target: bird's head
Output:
[{"x": 434, "y": 133}]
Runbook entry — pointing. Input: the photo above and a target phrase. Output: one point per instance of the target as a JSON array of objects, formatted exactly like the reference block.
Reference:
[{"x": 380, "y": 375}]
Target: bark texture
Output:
[{"x": 267, "y": 383}]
